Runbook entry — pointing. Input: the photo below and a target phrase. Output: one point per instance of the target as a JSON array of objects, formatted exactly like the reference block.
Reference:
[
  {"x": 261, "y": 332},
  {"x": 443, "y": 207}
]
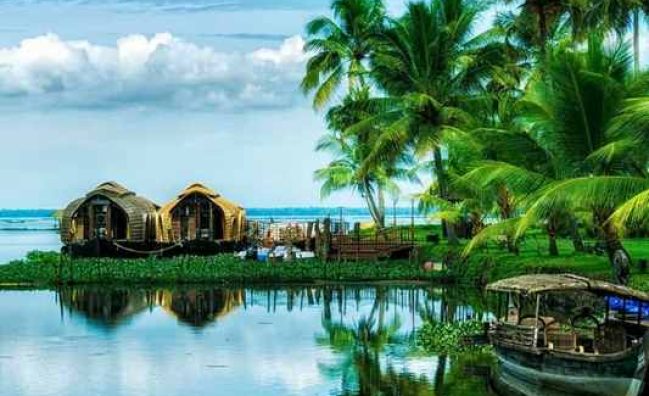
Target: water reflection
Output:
[
  {"x": 104, "y": 306},
  {"x": 199, "y": 307},
  {"x": 317, "y": 340}
]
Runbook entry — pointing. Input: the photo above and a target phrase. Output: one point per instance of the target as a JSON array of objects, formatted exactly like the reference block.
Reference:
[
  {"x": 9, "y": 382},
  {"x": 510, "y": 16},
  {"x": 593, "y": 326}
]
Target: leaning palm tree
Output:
[
  {"x": 350, "y": 153},
  {"x": 340, "y": 48}
]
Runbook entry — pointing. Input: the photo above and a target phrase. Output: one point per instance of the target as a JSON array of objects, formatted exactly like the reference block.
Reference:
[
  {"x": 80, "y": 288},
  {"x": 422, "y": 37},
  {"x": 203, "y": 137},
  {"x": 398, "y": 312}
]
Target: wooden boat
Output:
[{"x": 566, "y": 334}]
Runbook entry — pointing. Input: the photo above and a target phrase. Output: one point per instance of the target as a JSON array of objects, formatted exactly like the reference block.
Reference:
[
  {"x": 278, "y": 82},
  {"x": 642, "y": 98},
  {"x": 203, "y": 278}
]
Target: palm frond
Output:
[{"x": 506, "y": 228}]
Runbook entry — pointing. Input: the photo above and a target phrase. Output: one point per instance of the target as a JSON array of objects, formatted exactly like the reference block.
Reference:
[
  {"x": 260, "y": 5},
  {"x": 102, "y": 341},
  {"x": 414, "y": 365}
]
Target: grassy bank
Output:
[
  {"x": 48, "y": 269},
  {"x": 483, "y": 265},
  {"x": 493, "y": 263}
]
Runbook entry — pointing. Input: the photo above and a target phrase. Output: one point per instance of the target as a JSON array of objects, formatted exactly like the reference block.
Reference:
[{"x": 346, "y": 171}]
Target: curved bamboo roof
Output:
[
  {"x": 543, "y": 283},
  {"x": 136, "y": 208},
  {"x": 233, "y": 213}
]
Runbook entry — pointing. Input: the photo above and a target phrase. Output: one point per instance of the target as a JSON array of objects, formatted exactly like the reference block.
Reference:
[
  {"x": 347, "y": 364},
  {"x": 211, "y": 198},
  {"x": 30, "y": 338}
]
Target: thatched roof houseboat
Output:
[
  {"x": 109, "y": 212},
  {"x": 201, "y": 214}
]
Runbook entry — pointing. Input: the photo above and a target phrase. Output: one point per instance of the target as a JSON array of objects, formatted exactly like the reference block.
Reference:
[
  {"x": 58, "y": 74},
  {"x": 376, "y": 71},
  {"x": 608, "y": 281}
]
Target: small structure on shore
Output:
[
  {"x": 110, "y": 213},
  {"x": 201, "y": 214}
]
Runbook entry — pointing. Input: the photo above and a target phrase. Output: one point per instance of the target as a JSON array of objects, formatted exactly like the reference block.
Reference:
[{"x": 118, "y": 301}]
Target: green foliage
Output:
[
  {"x": 50, "y": 268},
  {"x": 448, "y": 338}
]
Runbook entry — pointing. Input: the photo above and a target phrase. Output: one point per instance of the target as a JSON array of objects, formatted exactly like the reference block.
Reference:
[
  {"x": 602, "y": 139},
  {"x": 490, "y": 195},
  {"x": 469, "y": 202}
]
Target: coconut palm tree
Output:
[
  {"x": 540, "y": 22},
  {"x": 350, "y": 152},
  {"x": 340, "y": 48},
  {"x": 581, "y": 112},
  {"x": 424, "y": 63},
  {"x": 619, "y": 16}
]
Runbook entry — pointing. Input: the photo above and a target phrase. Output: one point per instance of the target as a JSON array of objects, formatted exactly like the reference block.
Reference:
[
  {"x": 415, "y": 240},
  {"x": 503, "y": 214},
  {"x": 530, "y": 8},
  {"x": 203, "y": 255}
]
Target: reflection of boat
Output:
[
  {"x": 200, "y": 307},
  {"x": 567, "y": 334},
  {"x": 105, "y": 306}
]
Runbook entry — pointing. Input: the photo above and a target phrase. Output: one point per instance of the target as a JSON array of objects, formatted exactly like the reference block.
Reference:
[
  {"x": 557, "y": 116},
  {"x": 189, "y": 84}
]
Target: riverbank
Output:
[
  {"x": 44, "y": 269},
  {"x": 481, "y": 266}
]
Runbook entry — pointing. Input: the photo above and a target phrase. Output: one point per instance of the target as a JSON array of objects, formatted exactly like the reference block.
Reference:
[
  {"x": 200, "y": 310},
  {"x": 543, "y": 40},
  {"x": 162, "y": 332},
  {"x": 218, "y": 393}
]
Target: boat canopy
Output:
[{"x": 543, "y": 283}]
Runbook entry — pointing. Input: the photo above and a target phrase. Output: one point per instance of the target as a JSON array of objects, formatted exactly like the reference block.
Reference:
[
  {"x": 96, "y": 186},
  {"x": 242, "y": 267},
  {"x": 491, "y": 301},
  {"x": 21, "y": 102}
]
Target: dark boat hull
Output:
[
  {"x": 556, "y": 373},
  {"x": 103, "y": 248}
]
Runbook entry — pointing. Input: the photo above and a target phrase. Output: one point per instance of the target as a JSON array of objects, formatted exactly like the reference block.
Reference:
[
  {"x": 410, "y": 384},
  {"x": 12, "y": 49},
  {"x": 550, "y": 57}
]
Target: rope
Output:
[{"x": 157, "y": 251}]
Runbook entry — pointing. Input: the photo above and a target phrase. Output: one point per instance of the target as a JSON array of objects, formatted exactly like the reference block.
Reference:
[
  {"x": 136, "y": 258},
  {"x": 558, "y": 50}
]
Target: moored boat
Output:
[{"x": 569, "y": 334}]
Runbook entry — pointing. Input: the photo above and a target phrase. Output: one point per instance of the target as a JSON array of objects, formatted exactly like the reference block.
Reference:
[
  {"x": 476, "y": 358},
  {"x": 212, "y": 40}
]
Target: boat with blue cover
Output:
[{"x": 567, "y": 334}]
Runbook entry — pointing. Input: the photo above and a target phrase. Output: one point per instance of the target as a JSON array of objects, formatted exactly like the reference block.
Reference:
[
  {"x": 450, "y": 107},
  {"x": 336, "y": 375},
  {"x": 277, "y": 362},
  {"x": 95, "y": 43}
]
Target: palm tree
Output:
[
  {"x": 350, "y": 152},
  {"x": 424, "y": 62},
  {"x": 620, "y": 16},
  {"x": 540, "y": 22},
  {"x": 581, "y": 111},
  {"x": 340, "y": 48}
]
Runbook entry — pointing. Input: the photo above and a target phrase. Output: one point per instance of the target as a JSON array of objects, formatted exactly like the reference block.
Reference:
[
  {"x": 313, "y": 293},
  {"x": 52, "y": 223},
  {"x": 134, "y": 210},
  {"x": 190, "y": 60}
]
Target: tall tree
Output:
[
  {"x": 340, "y": 48},
  {"x": 583, "y": 111},
  {"x": 620, "y": 16},
  {"x": 424, "y": 62},
  {"x": 350, "y": 152}
]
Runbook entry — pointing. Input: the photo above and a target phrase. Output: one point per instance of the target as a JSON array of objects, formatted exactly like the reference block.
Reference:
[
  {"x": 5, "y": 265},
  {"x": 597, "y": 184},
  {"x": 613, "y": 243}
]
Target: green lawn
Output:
[{"x": 492, "y": 262}]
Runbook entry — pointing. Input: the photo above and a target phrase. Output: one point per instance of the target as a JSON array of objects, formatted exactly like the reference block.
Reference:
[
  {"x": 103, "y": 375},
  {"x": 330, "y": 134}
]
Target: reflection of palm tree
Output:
[
  {"x": 360, "y": 346},
  {"x": 373, "y": 380}
]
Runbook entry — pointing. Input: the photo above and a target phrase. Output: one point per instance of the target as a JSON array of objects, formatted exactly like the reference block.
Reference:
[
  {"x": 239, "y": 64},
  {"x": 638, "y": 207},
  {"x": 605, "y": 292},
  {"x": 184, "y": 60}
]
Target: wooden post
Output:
[
  {"x": 211, "y": 224},
  {"x": 309, "y": 231},
  {"x": 326, "y": 245},
  {"x": 317, "y": 237},
  {"x": 536, "y": 320}
]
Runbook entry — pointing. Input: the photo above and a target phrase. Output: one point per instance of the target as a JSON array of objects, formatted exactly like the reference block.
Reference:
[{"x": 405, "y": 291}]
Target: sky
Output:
[{"x": 156, "y": 94}]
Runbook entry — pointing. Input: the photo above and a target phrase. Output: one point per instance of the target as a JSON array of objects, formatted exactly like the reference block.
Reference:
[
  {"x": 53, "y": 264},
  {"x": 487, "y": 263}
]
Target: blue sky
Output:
[{"x": 155, "y": 94}]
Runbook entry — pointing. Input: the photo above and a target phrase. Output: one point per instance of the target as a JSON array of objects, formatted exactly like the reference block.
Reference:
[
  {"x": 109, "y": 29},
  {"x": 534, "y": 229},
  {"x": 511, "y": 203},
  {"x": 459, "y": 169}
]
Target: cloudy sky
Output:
[{"x": 155, "y": 94}]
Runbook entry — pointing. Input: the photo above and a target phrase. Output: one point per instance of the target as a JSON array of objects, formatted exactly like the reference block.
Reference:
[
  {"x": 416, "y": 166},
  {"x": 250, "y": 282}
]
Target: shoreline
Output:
[{"x": 47, "y": 269}]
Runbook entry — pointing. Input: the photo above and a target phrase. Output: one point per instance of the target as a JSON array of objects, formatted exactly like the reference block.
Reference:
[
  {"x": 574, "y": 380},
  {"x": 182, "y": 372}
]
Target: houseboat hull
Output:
[
  {"x": 125, "y": 249},
  {"x": 558, "y": 373}
]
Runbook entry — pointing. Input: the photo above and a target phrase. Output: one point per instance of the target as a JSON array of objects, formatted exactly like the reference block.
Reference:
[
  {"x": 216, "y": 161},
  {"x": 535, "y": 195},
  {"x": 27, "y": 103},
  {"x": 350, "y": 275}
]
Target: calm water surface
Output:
[
  {"x": 15, "y": 245},
  {"x": 329, "y": 340}
]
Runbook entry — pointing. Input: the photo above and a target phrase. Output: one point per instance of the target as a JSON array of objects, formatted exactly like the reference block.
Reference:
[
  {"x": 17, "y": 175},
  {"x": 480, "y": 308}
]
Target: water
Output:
[
  {"x": 236, "y": 341},
  {"x": 24, "y": 230}
]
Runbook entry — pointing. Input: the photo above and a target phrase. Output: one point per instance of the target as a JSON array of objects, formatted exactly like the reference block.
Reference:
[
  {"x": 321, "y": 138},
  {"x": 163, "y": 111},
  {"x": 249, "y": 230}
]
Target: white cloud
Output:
[{"x": 158, "y": 71}]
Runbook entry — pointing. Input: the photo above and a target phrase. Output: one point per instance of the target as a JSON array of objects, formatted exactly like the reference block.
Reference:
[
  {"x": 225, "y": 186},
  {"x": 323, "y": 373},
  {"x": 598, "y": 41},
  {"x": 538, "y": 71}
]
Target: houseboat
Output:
[
  {"x": 111, "y": 220},
  {"x": 566, "y": 334},
  {"x": 107, "y": 217},
  {"x": 202, "y": 221}
]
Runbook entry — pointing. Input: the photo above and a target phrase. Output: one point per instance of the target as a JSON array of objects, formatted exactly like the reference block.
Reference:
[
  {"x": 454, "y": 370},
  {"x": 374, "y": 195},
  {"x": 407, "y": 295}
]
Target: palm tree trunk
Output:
[
  {"x": 543, "y": 29},
  {"x": 381, "y": 198},
  {"x": 372, "y": 206},
  {"x": 617, "y": 254},
  {"x": 439, "y": 374},
  {"x": 636, "y": 41},
  {"x": 442, "y": 183},
  {"x": 552, "y": 241},
  {"x": 577, "y": 241},
  {"x": 506, "y": 211}
]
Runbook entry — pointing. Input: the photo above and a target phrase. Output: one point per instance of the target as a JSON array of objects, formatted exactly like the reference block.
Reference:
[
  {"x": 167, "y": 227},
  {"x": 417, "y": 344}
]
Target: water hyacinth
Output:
[
  {"x": 51, "y": 268},
  {"x": 449, "y": 338}
]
